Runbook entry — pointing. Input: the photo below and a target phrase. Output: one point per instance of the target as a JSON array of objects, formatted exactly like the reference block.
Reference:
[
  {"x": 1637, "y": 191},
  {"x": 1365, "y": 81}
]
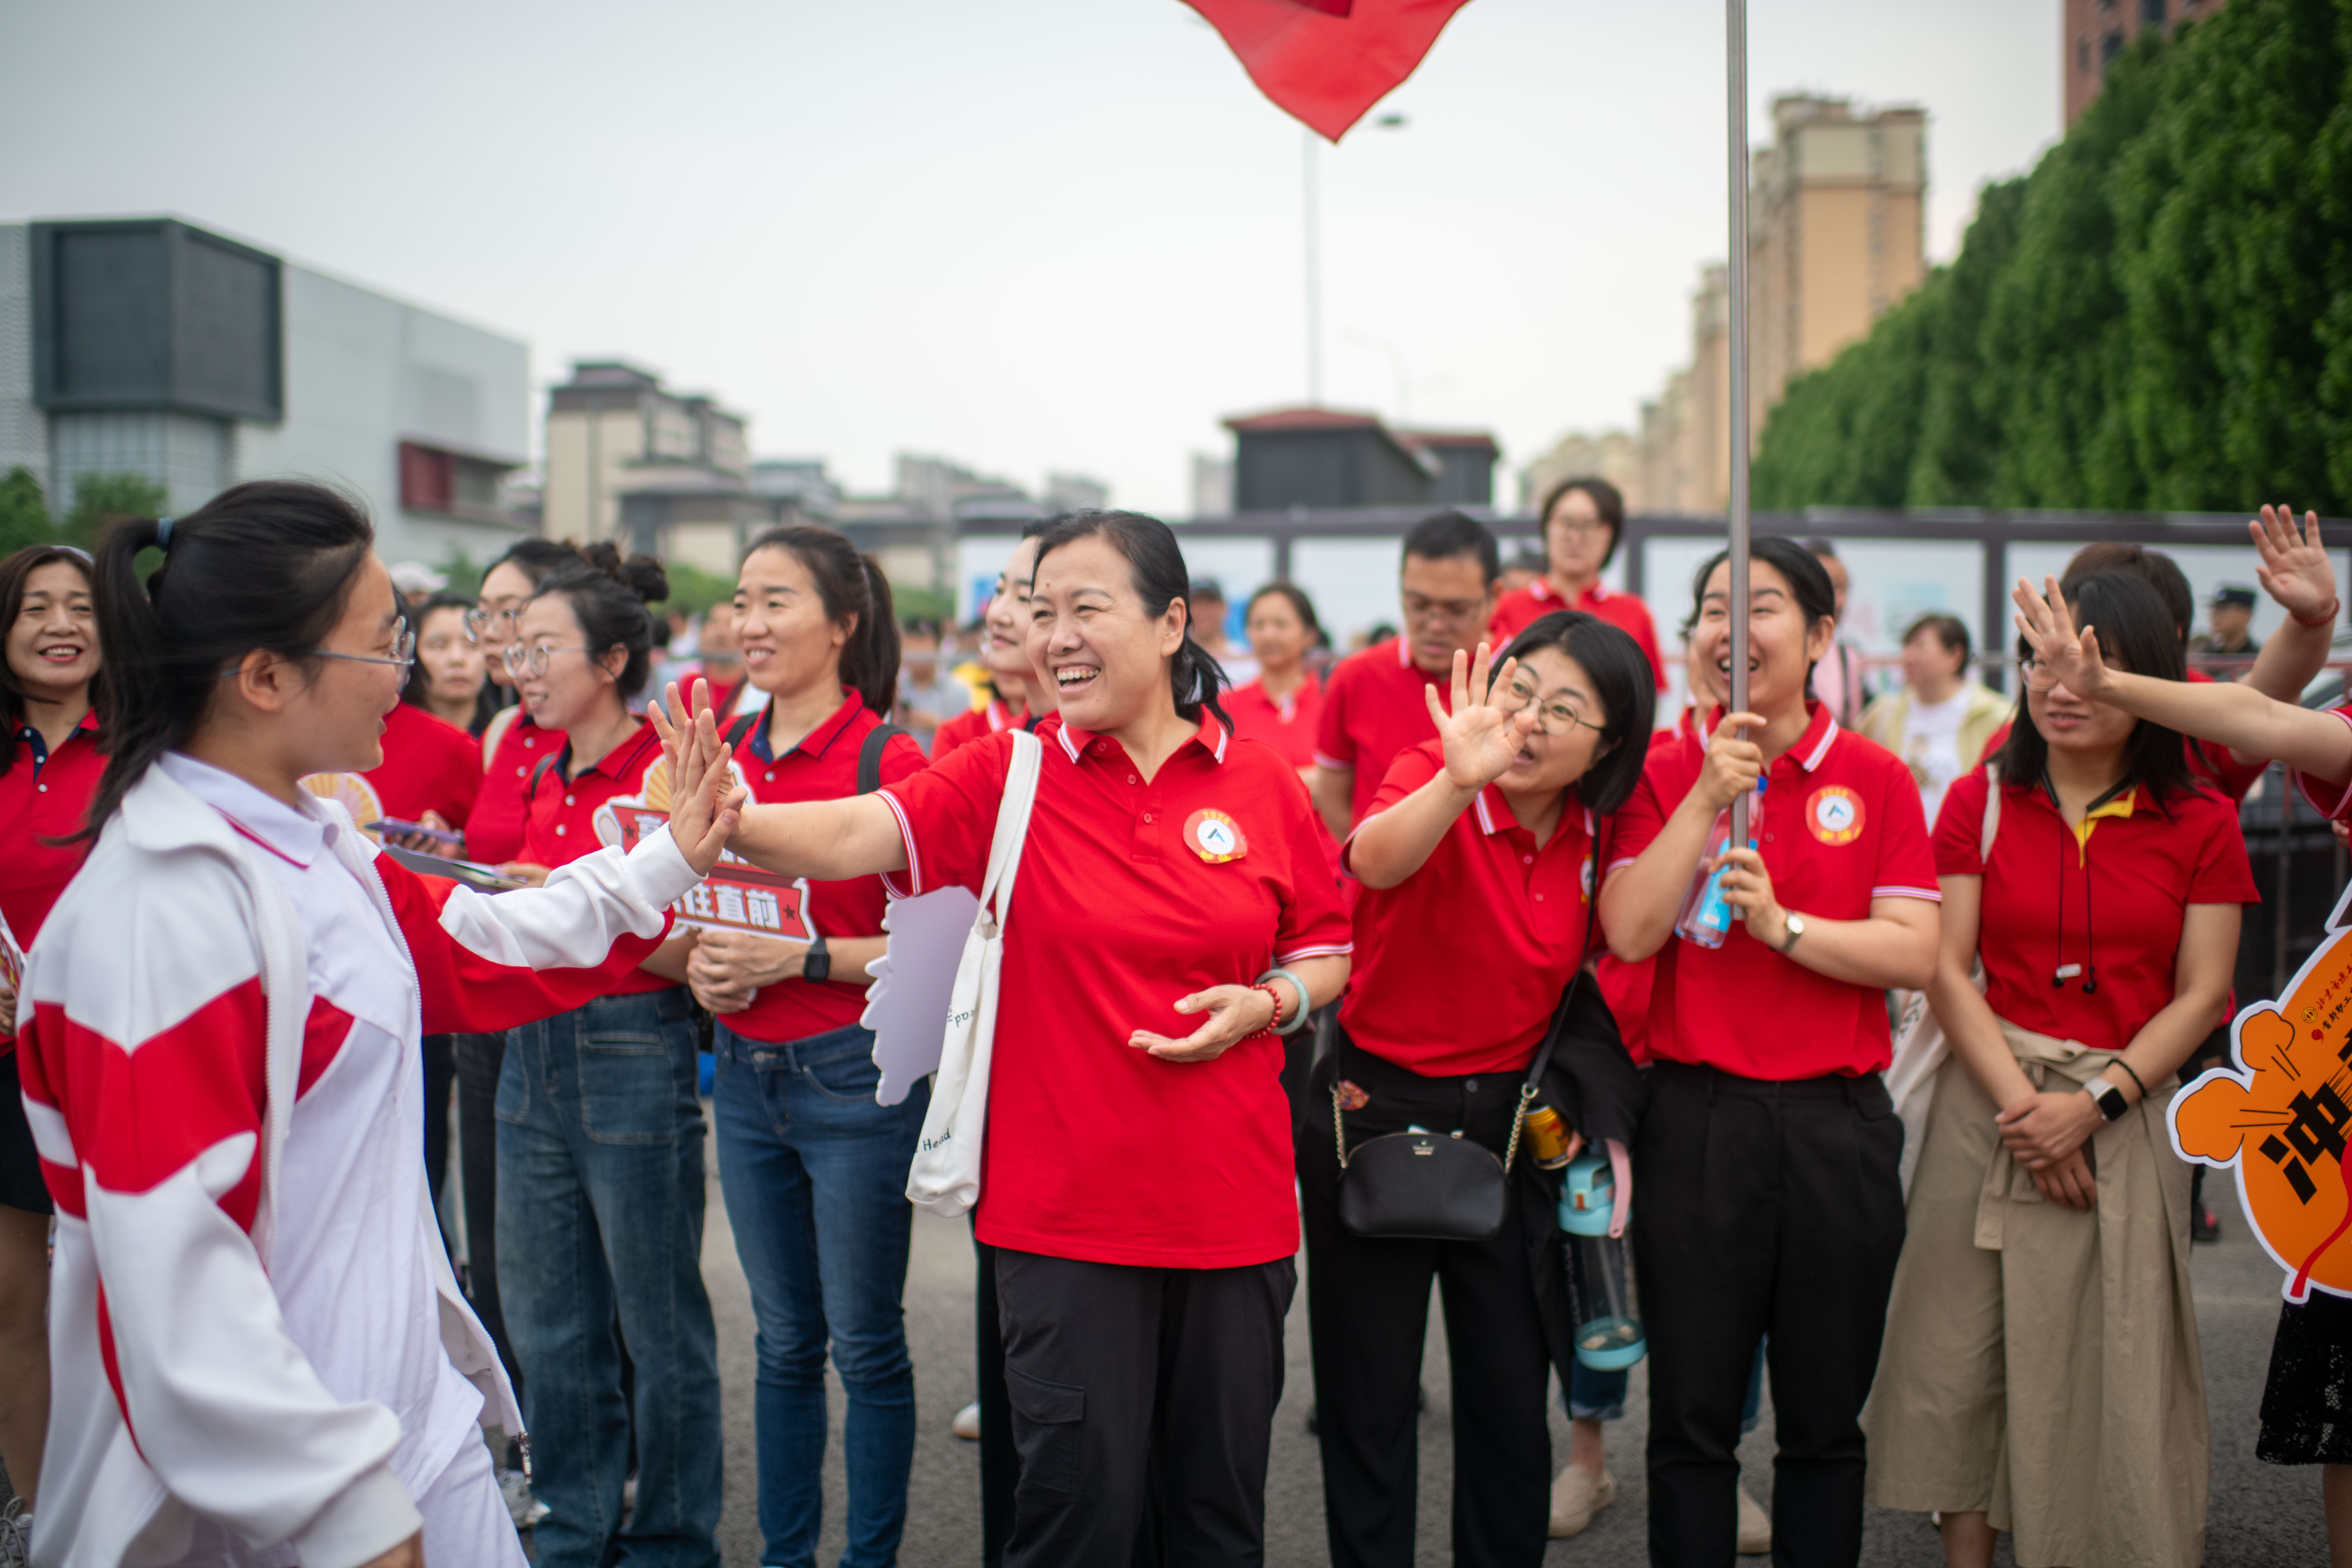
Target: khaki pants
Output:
[{"x": 2041, "y": 1365}]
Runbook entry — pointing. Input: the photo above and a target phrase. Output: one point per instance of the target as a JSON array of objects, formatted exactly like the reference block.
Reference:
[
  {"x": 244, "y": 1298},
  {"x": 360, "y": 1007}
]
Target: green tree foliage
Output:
[
  {"x": 2158, "y": 316},
  {"x": 23, "y": 513},
  {"x": 102, "y": 499}
]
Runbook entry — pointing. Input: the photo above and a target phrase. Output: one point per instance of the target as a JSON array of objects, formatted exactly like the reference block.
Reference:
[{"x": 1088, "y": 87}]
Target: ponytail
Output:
[
  {"x": 852, "y": 588},
  {"x": 266, "y": 566},
  {"x": 1156, "y": 568}
]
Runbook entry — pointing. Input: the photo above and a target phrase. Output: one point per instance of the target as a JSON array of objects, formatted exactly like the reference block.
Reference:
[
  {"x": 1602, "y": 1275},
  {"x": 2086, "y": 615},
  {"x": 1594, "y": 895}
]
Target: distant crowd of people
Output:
[{"x": 302, "y": 861}]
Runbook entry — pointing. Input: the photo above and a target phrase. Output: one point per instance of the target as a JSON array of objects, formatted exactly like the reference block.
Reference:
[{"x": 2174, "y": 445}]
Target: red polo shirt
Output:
[
  {"x": 973, "y": 725},
  {"x": 429, "y": 764},
  {"x": 1487, "y": 906},
  {"x": 1098, "y": 1149},
  {"x": 2115, "y": 903},
  {"x": 1289, "y": 725},
  {"x": 559, "y": 814},
  {"x": 1373, "y": 708},
  {"x": 43, "y": 794},
  {"x": 1626, "y": 986},
  {"x": 1523, "y": 607},
  {"x": 824, "y": 766},
  {"x": 2335, "y": 803},
  {"x": 2211, "y": 763},
  {"x": 494, "y": 827},
  {"x": 1841, "y": 825}
]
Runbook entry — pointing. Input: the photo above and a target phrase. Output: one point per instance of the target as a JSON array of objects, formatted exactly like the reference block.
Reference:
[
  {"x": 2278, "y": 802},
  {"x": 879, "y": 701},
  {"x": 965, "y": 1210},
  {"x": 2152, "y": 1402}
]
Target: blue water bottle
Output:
[
  {"x": 1705, "y": 919},
  {"x": 1600, "y": 1269}
]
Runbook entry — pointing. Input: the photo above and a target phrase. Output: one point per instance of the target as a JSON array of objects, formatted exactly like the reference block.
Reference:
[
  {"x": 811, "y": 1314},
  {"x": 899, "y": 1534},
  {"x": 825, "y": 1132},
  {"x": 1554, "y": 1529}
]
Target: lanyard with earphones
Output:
[{"x": 2089, "y": 968}]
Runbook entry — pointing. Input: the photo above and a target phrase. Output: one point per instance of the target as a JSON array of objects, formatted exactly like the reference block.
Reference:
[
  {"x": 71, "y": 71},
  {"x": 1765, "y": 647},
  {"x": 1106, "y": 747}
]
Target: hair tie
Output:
[{"x": 164, "y": 533}]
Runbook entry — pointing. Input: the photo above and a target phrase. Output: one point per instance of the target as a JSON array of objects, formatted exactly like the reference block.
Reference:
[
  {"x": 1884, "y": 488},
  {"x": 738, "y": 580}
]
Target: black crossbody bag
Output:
[{"x": 1441, "y": 1186}]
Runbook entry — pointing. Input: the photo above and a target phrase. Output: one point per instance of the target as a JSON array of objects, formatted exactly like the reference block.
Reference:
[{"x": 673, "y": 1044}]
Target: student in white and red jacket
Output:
[{"x": 259, "y": 1353}]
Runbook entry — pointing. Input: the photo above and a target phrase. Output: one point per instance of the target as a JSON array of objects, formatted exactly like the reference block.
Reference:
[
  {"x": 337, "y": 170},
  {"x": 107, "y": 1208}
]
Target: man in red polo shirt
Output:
[
  {"x": 1372, "y": 705},
  {"x": 1583, "y": 519}
]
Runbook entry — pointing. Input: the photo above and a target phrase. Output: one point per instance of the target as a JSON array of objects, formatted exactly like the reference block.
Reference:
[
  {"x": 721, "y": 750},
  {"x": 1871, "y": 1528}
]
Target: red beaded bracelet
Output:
[
  {"x": 2335, "y": 607},
  {"x": 1266, "y": 1028}
]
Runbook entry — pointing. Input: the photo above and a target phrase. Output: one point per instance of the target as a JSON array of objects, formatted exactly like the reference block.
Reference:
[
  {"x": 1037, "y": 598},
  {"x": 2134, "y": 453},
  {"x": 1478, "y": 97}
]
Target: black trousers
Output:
[
  {"x": 999, "y": 1462},
  {"x": 1763, "y": 1209},
  {"x": 1368, "y": 1308},
  {"x": 478, "y": 1061},
  {"x": 1122, "y": 1379}
]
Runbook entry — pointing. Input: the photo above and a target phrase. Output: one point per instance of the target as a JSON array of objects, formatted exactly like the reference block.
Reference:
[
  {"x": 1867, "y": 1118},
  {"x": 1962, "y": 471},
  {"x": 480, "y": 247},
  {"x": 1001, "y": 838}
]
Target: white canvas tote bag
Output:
[
  {"x": 1920, "y": 1044},
  {"x": 945, "y": 1178}
]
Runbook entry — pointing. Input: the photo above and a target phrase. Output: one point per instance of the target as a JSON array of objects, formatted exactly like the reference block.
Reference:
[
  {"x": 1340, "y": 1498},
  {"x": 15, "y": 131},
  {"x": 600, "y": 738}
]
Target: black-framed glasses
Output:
[
  {"x": 1560, "y": 717},
  {"x": 1455, "y": 611}
]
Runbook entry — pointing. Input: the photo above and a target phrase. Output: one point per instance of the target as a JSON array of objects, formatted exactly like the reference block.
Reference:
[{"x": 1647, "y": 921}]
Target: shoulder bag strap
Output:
[
  {"x": 869, "y": 756},
  {"x": 1534, "y": 1083},
  {"x": 1992, "y": 812},
  {"x": 743, "y": 727},
  {"x": 1012, "y": 831},
  {"x": 540, "y": 772}
]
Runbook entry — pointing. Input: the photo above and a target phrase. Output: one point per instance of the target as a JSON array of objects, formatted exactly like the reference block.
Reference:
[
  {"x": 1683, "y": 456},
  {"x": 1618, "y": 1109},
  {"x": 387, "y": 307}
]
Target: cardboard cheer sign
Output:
[
  {"x": 736, "y": 896},
  {"x": 2281, "y": 1112}
]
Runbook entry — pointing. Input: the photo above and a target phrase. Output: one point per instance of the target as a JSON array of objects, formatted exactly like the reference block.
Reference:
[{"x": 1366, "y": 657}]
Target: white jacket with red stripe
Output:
[{"x": 203, "y": 1345}]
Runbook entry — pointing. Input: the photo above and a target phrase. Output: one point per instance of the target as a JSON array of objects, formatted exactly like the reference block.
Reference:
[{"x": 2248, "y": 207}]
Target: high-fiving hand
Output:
[
  {"x": 705, "y": 801},
  {"x": 1480, "y": 737},
  {"x": 2069, "y": 656}
]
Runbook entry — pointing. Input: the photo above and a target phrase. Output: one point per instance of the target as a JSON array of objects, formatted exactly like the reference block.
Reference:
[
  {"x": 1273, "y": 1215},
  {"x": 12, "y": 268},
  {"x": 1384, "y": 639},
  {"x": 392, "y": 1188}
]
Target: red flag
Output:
[{"x": 1325, "y": 62}]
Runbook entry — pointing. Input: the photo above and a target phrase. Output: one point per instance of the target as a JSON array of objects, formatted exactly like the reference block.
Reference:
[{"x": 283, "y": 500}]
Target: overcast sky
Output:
[{"x": 1027, "y": 234}]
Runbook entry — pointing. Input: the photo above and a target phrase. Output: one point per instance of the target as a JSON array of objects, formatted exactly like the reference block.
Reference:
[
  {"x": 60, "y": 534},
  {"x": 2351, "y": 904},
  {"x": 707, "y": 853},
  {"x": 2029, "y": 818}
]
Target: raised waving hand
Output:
[
  {"x": 2295, "y": 568},
  {"x": 2069, "y": 657},
  {"x": 1480, "y": 737}
]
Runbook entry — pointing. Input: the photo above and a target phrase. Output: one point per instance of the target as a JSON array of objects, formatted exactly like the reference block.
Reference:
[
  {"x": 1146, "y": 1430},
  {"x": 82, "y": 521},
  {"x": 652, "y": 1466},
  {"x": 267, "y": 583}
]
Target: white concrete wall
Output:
[{"x": 365, "y": 372}]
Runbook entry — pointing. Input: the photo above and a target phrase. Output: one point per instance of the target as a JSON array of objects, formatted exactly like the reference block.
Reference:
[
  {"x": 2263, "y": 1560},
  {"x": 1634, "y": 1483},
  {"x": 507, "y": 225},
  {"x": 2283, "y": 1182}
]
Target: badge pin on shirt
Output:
[{"x": 1215, "y": 836}]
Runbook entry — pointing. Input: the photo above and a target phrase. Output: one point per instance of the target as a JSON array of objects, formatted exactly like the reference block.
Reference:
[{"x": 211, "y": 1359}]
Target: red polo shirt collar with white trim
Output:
[
  {"x": 1131, "y": 894},
  {"x": 1373, "y": 708},
  {"x": 1840, "y": 824},
  {"x": 1489, "y": 909}
]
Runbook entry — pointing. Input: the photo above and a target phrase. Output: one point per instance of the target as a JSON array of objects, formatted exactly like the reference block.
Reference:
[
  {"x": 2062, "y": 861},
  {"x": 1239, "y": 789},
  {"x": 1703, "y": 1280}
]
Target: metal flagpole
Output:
[
  {"x": 1735, "y": 70},
  {"x": 1312, "y": 209}
]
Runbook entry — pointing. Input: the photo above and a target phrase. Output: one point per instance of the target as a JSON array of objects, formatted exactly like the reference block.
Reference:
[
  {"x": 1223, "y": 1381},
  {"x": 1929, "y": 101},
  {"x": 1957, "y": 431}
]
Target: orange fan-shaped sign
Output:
[
  {"x": 2281, "y": 1114},
  {"x": 358, "y": 798}
]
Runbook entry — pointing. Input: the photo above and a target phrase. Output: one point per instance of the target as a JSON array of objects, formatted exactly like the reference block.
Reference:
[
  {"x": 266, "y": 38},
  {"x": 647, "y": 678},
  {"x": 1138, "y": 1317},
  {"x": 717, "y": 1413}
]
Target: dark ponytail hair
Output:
[
  {"x": 608, "y": 597},
  {"x": 1156, "y": 567},
  {"x": 268, "y": 565},
  {"x": 853, "y": 589},
  {"x": 17, "y": 571}
]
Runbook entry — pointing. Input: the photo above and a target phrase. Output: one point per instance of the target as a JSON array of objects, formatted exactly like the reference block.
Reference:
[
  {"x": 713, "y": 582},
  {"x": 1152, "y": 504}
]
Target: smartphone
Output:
[
  {"x": 393, "y": 825},
  {"x": 484, "y": 877}
]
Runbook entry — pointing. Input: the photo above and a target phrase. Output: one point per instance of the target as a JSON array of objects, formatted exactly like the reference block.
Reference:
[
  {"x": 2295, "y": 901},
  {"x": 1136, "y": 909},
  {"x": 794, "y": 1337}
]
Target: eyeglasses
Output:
[
  {"x": 1581, "y": 526},
  {"x": 479, "y": 621},
  {"x": 2036, "y": 675},
  {"x": 1454, "y": 611},
  {"x": 520, "y": 659},
  {"x": 404, "y": 652},
  {"x": 1560, "y": 718}
]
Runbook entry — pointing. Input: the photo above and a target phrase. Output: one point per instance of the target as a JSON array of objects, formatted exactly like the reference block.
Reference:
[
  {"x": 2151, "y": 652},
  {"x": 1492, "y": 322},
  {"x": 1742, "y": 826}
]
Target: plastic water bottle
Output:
[
  {"x": 1600, "y": 1269},
  {"x": 1706, "y": 917}
]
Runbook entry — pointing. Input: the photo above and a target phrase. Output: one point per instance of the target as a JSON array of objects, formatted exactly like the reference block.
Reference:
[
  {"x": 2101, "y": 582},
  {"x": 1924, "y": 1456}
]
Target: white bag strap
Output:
[
  {"x": 1012, "y": 831},
  {"x": 1991, "y": 813}
]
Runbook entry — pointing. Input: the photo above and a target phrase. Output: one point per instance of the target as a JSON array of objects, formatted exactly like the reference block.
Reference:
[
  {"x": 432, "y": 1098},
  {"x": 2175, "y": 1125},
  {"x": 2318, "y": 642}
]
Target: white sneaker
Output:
[
  {"x": 966, "y": 1425},
  {"x": 1755, "y": 1526},
  {"x": 1576, "y": 1497},
  {"x": 15, "y": 1535}
]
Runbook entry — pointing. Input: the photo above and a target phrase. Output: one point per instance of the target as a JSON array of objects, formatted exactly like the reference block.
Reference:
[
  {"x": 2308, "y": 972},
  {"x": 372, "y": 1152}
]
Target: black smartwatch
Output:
[{"x": 818, "y": 963}]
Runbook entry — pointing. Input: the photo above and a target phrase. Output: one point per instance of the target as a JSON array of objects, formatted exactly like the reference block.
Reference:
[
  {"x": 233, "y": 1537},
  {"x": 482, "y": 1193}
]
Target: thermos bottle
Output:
[{"x": 1600, "y": 1269}]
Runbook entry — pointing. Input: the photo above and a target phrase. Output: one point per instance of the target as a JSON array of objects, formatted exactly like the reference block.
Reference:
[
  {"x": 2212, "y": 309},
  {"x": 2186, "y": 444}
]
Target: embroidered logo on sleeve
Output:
[
  {"x": 1834, "y": 814},
  {"x": 1215, "y": 836}
]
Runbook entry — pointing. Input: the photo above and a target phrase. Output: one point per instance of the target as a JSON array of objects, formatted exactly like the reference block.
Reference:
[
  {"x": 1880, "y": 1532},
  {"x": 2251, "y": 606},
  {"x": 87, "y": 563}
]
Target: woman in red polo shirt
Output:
[
  {"x": 1475, "y": 858},
  {"x": 452, "y": 678},
  {"x": 1284, "y": 704},
  {"x": 50, "y": 764},
  {"x": 814, "y": 1170},
  {"x": 600, "y": 1135},
  {"x": 1766, "y": 1162},
  {"x": 1136, "y": 1181},
  {"x": 1584, "y": 518},
  {"x": 511, "y": 743},
  {"x": 1015, "y": 700},
  {"x": 2054, "y": 1387}
]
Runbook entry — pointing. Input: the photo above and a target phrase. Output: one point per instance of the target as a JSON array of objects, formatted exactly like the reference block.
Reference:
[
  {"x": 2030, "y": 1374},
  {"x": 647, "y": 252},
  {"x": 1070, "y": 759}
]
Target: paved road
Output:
[{"x": 2262, "y": 1516}]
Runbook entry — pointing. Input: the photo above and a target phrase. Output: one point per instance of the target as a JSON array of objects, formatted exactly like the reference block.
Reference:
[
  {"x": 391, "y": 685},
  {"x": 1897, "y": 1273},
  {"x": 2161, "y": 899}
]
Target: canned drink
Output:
[{"x": 1547, "y": 1137}]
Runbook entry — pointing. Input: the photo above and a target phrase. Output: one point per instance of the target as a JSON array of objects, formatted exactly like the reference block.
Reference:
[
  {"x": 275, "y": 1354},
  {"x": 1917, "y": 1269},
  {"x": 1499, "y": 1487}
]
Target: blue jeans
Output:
[
  {"x": 599, "y": 1221},
  {"x": 815, "y": 1174}
]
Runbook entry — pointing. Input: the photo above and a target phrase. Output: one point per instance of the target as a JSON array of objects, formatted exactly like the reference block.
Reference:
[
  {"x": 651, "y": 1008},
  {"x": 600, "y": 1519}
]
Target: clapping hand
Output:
[
  {"x": 705, "y": 801},
  {"x": 1480, "y": 737},
  {"x": 2070, "y": 658},
  {"x": 2295, "y": 568}
]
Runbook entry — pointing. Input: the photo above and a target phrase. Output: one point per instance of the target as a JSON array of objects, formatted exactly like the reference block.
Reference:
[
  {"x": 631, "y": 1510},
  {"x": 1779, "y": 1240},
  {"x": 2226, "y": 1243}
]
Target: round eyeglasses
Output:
[
  {"x": 479, "y": 621},
  {"x": 404, "y": 652},
  {"x": 1552, "y": 718},
  {"x": 532, "y": 660}
]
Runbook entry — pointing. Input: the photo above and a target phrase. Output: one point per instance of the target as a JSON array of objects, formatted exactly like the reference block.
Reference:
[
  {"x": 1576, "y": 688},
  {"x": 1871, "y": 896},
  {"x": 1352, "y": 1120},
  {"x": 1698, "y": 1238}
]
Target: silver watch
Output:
[{"x": 1796, "y": 931}]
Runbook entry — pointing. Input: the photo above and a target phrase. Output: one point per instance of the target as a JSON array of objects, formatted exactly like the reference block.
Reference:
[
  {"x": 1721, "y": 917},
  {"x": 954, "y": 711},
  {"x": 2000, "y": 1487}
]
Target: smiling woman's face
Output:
[
  {"x": 1567, "y": 741},
  {"x": 53, "y": 641},
  {"x": 1088, "y": 635},
  {"x": 1780, "y": 647}
]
